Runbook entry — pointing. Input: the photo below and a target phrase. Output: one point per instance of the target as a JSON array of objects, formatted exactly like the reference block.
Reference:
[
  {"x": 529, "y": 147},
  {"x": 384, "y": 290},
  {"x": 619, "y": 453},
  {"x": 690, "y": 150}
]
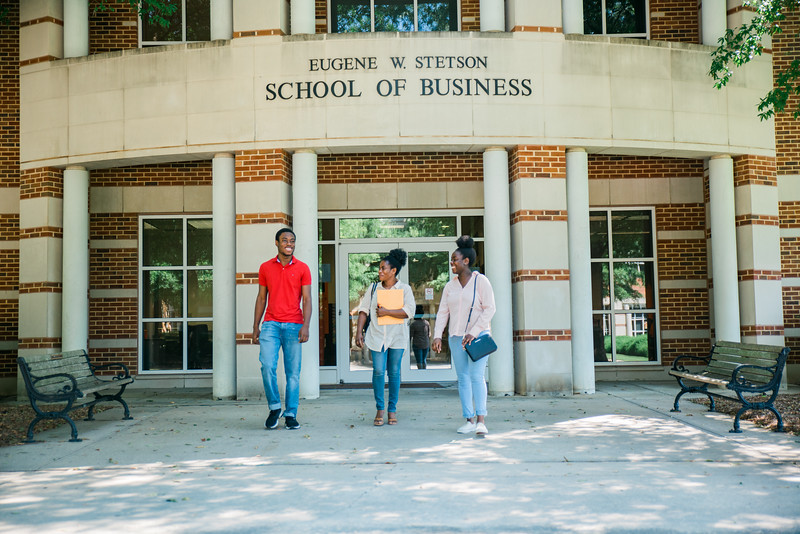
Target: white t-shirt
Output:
[{"x": 389, "y": 336}]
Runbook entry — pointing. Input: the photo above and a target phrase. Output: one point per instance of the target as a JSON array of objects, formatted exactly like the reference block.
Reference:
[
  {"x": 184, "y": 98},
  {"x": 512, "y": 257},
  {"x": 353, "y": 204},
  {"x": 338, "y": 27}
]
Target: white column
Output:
[
  {"x": 497, "y": 252},
  {"x": 580, "y": 271},
  {"x": 713, "y": 20},
  {"x": 724, "y": 270},
  {"x": 304, "y": 224},
  {"x": 572, "y": 16},
  {"x": 223, "y": 235},
  {"x": 76, "y": 28},
  {"x": 75, "y": 261},
  {"x": 221, "y": 19},
  {"x": 303, "y": 18},
  {"x": 493, "y": 16}
]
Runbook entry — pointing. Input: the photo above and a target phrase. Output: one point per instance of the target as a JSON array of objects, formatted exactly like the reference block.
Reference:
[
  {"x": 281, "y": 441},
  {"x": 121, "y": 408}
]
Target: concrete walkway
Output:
[{"x": 616, "y": 461}]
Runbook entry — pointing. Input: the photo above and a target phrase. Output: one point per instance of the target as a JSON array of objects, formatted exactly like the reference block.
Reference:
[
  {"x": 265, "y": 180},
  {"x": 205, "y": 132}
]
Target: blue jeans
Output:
[
  {"x": 471, "y": 379},
  {"x": 274, "y": 336},
  {"x": 421, "y": 355},
  {"x": 379, "y": 368}
]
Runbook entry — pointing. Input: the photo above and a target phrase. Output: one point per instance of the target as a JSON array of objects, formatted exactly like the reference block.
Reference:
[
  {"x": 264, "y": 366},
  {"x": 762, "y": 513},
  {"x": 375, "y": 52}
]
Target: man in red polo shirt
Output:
[{"x": 282, "y": 281}]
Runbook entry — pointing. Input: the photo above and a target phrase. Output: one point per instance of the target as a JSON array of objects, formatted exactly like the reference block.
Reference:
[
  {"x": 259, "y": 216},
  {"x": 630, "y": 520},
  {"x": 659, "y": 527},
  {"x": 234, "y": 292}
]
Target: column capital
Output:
[
  {"x": 495, "y": 148},
  {"x": 223, "y": 155},
  {"x": 305, "y": 151},
  {"x": 576, "y": 149},
  {"x": 721, "y": 156},
  {"x": 75, "y": 168}
]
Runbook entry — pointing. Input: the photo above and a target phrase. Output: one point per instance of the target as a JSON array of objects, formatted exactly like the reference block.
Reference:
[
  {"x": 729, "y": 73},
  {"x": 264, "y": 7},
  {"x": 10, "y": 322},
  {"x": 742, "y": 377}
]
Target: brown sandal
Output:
[
  {"x": 378, "y": 421},
  {"x": 392, "y": 419}
]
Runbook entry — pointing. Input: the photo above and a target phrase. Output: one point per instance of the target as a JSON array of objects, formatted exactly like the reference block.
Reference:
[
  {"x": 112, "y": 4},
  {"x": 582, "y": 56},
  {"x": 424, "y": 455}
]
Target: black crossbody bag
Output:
[
  {"x": 369, "y": 314},
  {"x": 483, "y": 345}
]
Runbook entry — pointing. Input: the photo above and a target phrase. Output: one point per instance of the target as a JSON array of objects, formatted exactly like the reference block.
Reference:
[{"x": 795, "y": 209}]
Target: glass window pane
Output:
[
  {"x": 633, "y": 347},
  {"x": 327, "y": 305},
  {"x": 154, "y": 32},
  {"x": 602, "y": 338},
  {"x": 394, "y": 16},
  {"x": 162, "y": 346},
  {"x": 362, "y": 272},
  {"x": 592, "y": 17},
  {"x": 350, "y": 16},
  {"x": 397, "y": 227},
  {"x": 472, "y": 225},
  {"x": 601, "y": 288},
  {"x": 436, "y": 15},
  {"x": 633, "y": 286},
  {"x": 327, "y": 229},
  {"x": 428, "y": 273},
  {"x": 598, "y": 234},
  {"x": 200, "y": 345},
  {"x": 162, "y": 294},
  {"x": 198, "y": 242},
  {"x": 198, "y": 20},
  {"x": 625, "y": 16},
  {"x": 199, "y": 293},
  {"x": 631, "y": 234},
  {"x": 162, "y": 242}
]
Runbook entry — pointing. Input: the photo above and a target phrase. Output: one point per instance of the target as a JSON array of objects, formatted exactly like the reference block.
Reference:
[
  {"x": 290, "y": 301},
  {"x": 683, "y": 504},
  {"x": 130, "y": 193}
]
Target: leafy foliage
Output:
[
  {"x": 157, "y": 11},
  {"x": 746, "y": 43}
]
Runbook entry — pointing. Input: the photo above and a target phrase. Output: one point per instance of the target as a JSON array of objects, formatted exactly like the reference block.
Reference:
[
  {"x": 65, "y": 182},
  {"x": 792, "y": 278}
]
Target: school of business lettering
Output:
[{"x": 427, "y": 86}]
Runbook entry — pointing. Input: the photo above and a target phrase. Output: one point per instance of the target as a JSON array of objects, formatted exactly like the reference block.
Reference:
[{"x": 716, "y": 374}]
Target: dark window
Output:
[
  {"x": 615, "y": 17},
  {"x": 393, "y": 15}
]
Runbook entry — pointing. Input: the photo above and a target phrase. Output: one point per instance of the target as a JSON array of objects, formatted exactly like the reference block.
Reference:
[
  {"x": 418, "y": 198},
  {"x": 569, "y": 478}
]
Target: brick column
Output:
[
  {"x": 263, "y": 192},
  {"x": 40, "y": 243},
  {"x": 540, "y": 271},
  {"x": 759, "y": 250}
]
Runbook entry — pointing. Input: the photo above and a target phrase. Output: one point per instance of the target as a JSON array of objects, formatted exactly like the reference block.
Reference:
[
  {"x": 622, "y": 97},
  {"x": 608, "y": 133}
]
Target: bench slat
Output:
[
  {"x": 765, "y": 359},
  {"x": 749, "y": 346}
]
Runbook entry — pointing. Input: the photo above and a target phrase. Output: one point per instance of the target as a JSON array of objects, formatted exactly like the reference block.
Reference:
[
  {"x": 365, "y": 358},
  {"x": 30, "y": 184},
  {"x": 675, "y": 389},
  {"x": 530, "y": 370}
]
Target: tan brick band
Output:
[
  {"x": 538, "y": 29},
  {"x": 759, "y": 274},
  {"x": 257, "y": 33},
  {"x": 542, "y": 335},
  {"x": 244, "y": 339},
  {"x": 789, "y": 214},
  {"x": 538, "y": 216},
  {"x": 531, "y": 162},
  {"x": 263, "y": 218},
  {"x": 539, "y": 275},
  {"x": 41, "y": 20},
  {"x": 790, "y": 257},
  {"x": 680, "y": 217},
  {"x": 633, "y": 167},
  {"x": 760, "y": 220},
  {"x": 263, "y": 166},
  {"x": 39, "y": 343},
  {"x": 762, "y": 330},
  {"x": 41, "y": 182},
  {"x": 754, "y": 170},
  {"x": 408, "y": 167},
  {"x": 40, "y": 287},
  {"x": 41, "y": 231}
]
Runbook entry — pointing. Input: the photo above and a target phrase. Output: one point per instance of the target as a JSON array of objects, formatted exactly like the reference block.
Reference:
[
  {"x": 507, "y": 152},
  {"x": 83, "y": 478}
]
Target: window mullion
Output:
[{"x": 372, "y": 16}]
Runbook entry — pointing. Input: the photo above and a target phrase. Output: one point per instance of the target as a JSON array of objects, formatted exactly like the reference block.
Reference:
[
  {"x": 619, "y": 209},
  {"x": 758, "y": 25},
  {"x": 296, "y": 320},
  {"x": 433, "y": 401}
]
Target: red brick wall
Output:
[
  {"x": 117, "y": 268},
  {"x": 675, "y": 20},
  {"x": 9, "y": 178},
  {"x": 470, "y": 9},
  {"x": 321, "y": 13},
  {"x": 404, "y": 167},
  {"x": 537, "y": 162},
  {"x": 110, "y": 31},
  {"x": 785, "y": 49},
  {"x": 677, "y": 259}
]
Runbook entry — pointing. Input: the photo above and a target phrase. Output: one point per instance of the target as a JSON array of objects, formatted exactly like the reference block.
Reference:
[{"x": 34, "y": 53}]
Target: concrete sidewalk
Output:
[{"x": 615, "y": 461}]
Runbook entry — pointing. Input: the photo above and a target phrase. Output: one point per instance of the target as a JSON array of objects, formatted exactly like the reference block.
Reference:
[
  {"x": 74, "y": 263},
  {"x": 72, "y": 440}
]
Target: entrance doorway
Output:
[{"x": 427, "y": 271}]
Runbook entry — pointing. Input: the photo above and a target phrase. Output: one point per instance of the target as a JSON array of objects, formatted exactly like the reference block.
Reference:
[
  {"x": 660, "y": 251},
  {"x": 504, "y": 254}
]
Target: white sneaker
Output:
[
  {"x": 480, "y": 429},
  {"x": 466, "y": 428}
]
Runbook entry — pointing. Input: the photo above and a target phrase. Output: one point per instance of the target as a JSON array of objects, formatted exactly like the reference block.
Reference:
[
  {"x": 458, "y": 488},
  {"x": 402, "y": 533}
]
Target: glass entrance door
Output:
[{"x": 427, "y": 271}]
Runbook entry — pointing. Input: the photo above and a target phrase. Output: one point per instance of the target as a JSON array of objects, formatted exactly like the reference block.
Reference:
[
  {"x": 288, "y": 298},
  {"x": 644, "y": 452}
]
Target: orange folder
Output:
[{"x": 391, "y": 299}]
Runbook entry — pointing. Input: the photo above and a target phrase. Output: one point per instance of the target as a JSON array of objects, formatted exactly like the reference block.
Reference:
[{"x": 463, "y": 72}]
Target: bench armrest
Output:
[
  {"x": 740, "y": 383},
  {"x": 124, "y": 372},
  {"x": 67, "y": 392},
  {"x": 677, "y": 366}
]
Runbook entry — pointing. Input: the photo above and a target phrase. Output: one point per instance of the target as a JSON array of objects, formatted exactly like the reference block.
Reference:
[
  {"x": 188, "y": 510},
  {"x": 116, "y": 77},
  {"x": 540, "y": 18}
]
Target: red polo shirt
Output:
[{"x": 284, "y": 289}]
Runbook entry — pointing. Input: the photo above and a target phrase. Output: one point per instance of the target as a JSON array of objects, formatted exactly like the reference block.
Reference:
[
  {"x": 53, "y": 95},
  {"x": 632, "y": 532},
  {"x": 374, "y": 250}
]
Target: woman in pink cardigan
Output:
[{"x": 469, "y": 291}]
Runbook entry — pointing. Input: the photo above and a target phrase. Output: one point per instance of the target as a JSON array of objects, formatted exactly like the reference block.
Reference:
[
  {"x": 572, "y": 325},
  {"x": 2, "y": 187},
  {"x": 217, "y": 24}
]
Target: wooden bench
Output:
[
  {"x": 69, "y": 378},
  {"x": 738, "y": 371}
]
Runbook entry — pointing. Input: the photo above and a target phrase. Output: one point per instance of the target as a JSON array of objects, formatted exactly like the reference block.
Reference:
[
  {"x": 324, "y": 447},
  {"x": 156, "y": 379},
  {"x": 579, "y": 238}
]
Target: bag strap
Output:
[{"x": 474, "y": 290}]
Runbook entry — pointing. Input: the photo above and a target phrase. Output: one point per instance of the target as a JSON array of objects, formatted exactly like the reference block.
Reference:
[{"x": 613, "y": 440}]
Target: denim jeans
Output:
[
  {"x": 471, "y": 379},
  {"x": 274, "y": 336},
  {"x": 421, "y": 355},
  {"x": 379, "y": 368}
]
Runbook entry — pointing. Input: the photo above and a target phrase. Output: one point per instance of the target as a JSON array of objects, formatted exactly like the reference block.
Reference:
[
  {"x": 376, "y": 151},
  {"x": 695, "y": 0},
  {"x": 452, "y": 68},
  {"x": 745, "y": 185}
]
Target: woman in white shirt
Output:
[
  {"x": 455, "y": 308},
  {"x": 386, "y": 342}
]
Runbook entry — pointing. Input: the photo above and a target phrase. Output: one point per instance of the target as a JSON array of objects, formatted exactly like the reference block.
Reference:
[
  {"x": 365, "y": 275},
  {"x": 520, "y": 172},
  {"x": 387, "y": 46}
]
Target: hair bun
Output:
[
  {"x": 465, "y": 241},
  {"x": 398, "y": 255}
]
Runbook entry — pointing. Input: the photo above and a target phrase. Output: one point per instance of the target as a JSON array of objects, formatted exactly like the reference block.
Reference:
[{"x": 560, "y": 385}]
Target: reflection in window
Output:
[
  {"x": 394, "y": 227},
  {"x": 615, "y": 17},
  {"x": 176, "y": 286},
  {"x": 623, "y": 286},
  {"x": 189, "y": 22},
  {"x": 393, "y": 15}
]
